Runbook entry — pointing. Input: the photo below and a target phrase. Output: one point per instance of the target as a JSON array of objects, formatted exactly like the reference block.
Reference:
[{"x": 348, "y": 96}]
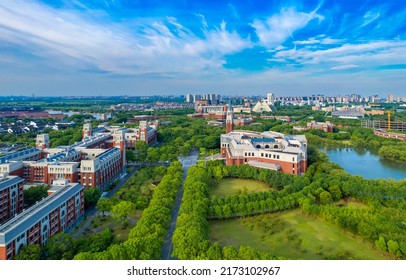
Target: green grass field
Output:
[
  {"x": 229, "y": 186},
  {"x": 293, "y": 235}
]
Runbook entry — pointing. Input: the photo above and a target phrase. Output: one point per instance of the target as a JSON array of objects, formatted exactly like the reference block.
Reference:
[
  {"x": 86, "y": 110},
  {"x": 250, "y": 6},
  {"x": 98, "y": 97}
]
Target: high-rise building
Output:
[
  {"x": 389, "y": 97},
  {"x": 270, "y": 98}
]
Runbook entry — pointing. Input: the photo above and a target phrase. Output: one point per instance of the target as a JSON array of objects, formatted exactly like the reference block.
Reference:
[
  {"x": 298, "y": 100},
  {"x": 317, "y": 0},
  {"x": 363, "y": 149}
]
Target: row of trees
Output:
[
  {"x": 147, "y": 237},
  {"x": 317, "y": 193},
  {"x": 191, "y": 240}
]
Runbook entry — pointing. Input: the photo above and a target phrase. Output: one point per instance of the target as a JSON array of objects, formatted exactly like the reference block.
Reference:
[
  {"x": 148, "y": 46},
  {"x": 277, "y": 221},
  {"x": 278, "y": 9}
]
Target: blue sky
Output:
[{"x": 114, "y": 47}]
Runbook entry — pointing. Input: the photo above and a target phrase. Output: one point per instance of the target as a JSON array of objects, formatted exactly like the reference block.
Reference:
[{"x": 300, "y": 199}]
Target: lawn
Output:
[
  {"x": 229, "y": 186},
  {"x": 293, "y": 235},
  {"x": 352, "y": 203},
  {"x": 99, "y": 223}
]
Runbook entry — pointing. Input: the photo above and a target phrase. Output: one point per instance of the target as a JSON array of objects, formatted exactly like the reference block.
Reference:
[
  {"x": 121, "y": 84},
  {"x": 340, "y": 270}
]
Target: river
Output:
[{"x": 365, "y": 163}]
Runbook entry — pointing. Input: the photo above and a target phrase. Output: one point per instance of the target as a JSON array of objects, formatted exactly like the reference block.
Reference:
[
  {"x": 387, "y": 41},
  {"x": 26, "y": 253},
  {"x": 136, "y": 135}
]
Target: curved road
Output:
[{"x": 187, "y": 162}]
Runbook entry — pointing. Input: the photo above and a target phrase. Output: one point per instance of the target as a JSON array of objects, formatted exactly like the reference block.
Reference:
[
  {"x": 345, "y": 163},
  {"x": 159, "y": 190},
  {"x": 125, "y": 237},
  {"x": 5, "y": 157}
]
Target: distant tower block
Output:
[
  {"x": 87, "y": 130},
  {"x": 229, "y": 119},
  {"x": 271, "y": 98},
  {"x": 42, "y": 141}
]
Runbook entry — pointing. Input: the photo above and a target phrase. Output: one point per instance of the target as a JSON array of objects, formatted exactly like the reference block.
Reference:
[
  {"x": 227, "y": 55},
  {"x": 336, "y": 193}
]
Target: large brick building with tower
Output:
[{"x": 270, "y": 150}]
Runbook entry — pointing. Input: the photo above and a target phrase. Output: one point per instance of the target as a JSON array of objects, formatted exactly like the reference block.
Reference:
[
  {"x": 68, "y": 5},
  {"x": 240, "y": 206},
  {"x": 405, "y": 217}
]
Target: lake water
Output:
[{"x": 366, "y": 163}]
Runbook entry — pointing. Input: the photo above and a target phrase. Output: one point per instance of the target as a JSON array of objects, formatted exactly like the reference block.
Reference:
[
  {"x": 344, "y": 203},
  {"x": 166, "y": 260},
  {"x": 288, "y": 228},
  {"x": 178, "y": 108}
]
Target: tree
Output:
[
  {"x": 381, "y": 243},
  {"x": 325, "y": 197},
  {"x": 120, "y": 212},
  {"x": 141, "y": 148},
  {"x": 29, "y": 252},
  {"x": 104, "y": 204},
  {"x": 35, "y": 194},
  {"x": 60, "y": 247},
  {"x": 130, "y": 155},
  {"x": 91, "y": 196},
  {"x": 97, "y": 242},
  {"x": 335, "y": 192},
  {"x": 393, "y": 248}
]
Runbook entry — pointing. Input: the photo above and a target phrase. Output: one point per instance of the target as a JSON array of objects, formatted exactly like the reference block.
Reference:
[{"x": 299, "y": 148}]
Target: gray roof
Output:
[
  {"x": 11, "y": 180},
  {"x": 23, "y": 221},
  {"x": 19, "y": 155}
]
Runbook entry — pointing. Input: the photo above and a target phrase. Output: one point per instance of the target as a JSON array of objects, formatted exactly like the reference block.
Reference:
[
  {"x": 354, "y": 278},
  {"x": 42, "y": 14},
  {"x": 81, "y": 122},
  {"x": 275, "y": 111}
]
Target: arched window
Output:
[
  {"x": 266, "y": 146},
  {"x": 275, "y": 146},
  {"x": 258, "y": 146}
]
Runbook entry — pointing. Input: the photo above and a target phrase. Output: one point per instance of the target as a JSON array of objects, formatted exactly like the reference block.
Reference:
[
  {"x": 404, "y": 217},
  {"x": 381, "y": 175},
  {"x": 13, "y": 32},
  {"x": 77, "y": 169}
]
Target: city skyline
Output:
[{"x": 112, "y": 47}]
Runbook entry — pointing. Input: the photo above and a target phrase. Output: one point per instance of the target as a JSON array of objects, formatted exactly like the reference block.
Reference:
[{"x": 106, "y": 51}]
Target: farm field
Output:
[{"x": 293, "y": 235}]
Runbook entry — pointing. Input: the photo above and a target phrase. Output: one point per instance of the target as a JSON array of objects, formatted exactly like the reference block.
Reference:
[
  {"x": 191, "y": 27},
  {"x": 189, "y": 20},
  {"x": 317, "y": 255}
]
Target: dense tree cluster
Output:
[
  {"x": 190, "y": 240},
  {"x": 147, "y": 237},
  {"x": 320, "y": 192},
  {"x": 394, "y": 152},
  {"x": 139, "y": 188},
  {"x": 62, "y": 246}
]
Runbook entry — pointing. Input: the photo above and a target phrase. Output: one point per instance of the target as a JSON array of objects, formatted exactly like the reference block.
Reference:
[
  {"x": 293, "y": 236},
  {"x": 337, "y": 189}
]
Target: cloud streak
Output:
[{"x": 74, "y": 40}]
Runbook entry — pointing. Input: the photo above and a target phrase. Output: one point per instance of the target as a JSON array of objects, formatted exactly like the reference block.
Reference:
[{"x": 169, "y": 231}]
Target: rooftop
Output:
[
  {"x": 9, "y": 180},
  {"x": 30, "y": 216}
]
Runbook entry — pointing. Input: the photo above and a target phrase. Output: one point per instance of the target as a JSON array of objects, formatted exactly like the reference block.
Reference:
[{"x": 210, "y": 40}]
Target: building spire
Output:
[{"x": 229, "y": 119}]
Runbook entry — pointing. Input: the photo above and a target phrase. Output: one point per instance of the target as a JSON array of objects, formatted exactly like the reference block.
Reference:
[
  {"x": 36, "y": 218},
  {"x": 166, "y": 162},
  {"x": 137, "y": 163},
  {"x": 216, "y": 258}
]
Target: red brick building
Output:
[
  {"x": 61, "y": 211},
  {"x": 11, "y": 196},
  {"x": 270, "y": 150}
]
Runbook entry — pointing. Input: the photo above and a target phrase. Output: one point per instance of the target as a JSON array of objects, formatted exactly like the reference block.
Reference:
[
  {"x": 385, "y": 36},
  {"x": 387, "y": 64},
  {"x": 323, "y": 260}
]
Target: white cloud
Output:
[
  {"x": 277, "y": 28},
  {"x": 344, "y": 67},
  {"x": 71, "y": 39},
  {"x": 369, "y": 54},
  {"x": 370, "y": 17}
]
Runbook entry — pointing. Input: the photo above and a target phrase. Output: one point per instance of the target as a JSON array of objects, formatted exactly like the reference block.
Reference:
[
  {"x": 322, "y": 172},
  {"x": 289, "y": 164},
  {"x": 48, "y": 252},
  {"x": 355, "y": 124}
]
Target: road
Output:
[
  {"x": 91, "y": 211},
  {"x": 187, "y": 162}
]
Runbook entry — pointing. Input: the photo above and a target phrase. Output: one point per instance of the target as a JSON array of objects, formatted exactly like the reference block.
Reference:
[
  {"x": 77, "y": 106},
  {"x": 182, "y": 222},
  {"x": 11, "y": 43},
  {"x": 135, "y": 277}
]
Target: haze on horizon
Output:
[{"x": 117, "y": 47}]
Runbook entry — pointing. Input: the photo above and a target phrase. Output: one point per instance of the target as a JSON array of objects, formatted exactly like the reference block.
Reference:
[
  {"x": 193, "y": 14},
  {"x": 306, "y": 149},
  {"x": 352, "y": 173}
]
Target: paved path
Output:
[
  {"x": 187, "y": 162},
  {"x": 92, "y": 211}
]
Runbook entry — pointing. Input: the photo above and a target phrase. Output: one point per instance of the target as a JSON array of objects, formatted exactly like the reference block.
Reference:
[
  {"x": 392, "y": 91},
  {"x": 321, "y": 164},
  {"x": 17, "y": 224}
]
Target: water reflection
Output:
[{"x": 365, "y": 163}]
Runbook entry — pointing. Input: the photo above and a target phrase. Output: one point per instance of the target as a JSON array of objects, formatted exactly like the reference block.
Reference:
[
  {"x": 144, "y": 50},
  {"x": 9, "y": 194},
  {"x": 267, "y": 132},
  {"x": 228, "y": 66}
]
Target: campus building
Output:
[
  {"x": 11, "y": 196},
  {"x": 270, "y": 150},
  {"x": 143, "y": 132},
  {"x": 61, "y": 211},
  {"x": 325, "y": 126},
  {"x": 101, "y": 167}
]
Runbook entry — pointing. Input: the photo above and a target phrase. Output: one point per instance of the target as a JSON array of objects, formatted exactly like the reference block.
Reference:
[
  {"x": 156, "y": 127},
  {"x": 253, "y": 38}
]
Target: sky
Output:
[{"x": 245, "y": 47}]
